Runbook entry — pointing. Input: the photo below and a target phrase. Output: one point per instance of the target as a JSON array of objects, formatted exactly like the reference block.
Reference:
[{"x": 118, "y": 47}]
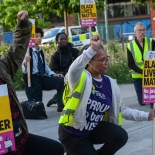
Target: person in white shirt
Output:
[{"x": 42, "y": 77}]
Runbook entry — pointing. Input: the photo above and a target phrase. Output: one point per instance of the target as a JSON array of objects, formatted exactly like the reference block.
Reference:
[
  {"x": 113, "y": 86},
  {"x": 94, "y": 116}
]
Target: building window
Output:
[{"x": 127, "y": 9}]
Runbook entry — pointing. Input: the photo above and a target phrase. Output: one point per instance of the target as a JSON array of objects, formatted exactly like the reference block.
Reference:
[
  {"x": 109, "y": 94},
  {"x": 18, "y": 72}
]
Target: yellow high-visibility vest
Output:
[
  {"x": 137, "y": 55},
  {"x": 71, "y": 101}
]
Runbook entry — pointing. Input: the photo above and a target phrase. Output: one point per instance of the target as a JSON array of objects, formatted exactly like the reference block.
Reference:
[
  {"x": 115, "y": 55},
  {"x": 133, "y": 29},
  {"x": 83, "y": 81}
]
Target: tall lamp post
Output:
[{"x": 106, "y": 20}]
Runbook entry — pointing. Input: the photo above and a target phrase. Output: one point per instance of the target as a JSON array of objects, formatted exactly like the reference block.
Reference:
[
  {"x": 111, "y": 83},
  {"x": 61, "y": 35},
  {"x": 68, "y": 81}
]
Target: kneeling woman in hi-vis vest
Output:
[{"x": 93, "y": 111}]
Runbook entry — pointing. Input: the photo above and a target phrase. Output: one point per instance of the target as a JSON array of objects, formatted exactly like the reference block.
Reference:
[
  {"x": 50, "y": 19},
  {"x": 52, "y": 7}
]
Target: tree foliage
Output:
[{"x": 9, "y": 9}]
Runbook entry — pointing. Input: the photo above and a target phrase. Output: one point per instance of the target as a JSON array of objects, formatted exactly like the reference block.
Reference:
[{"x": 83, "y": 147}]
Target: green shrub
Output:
[
  {"x": 48, "y": 51},
  {"x": 18, "y": 80},
  {"x": 3, "y": 48},
  {"x": 118, "y": 67}
]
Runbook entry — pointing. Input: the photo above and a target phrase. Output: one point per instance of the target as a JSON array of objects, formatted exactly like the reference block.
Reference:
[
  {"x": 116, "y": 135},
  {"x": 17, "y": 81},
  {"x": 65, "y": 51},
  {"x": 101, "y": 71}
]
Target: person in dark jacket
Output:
[
  {"x": 25, "y": 142},
  {"x": 62, "y": 58}
]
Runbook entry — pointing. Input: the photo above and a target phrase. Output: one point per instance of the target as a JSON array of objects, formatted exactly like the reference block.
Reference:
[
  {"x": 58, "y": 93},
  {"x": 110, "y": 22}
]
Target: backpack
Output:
[{"x": 34, "y": 110}]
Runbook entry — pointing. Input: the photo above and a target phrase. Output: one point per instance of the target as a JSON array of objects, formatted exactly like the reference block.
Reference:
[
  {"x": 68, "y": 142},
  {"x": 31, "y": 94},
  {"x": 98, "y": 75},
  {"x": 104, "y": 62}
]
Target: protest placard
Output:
[
  {"x": 87, "y": 13},
  {"x": 7, "y": 140},
  {"x": 32, "y": 39},
  {"x": 148, "y": 80},
  {"x": 148, "y": 87},
  {"x": 32, "y": 44}
]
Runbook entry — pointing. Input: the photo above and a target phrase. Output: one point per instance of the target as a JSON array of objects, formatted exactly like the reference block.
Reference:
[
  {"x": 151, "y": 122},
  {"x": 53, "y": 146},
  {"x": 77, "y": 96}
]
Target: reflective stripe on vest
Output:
[
  {"x": 72, "y": 102},
  {"x": 120, "y": 117},
  {"x": 137, "y": 56}
]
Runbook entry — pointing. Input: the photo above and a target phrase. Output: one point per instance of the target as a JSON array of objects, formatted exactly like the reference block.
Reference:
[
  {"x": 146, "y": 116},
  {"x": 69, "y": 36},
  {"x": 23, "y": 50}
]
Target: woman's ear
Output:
[{"x": 90, "y": 64}]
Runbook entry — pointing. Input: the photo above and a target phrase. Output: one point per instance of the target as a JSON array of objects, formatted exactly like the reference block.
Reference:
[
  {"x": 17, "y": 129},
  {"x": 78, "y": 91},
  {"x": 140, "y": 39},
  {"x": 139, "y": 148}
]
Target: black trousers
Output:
[
  {"x": 46, "y": 83},
  {"x": 138, "y": 88},
  {"x": 112, "y": 137},
  {"x": 38, "y": 145}
]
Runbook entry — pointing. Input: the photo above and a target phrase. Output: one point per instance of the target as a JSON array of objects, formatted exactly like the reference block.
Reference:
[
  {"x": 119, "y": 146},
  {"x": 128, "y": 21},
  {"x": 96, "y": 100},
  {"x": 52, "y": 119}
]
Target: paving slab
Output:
[{"x": 140, "y": 133}]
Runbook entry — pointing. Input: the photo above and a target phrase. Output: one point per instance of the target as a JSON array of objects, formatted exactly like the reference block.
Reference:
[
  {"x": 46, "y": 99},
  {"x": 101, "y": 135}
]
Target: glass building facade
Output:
[{"x": 127, "y": 9}]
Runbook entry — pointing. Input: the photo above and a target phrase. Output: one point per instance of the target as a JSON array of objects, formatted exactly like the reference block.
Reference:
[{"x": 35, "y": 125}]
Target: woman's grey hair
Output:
[
  {"x": 85, "y": 47},
  {"x": 139, "y": 23}
]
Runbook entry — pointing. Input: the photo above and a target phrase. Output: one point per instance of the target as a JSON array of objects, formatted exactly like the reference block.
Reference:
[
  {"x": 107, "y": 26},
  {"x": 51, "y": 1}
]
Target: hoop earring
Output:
[{"x": 91, "y": 67}]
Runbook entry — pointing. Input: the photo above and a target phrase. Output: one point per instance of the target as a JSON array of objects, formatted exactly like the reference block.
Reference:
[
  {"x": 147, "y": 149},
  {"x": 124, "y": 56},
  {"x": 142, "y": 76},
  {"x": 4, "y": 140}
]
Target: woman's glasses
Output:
[{"x": 103, "y": 60}]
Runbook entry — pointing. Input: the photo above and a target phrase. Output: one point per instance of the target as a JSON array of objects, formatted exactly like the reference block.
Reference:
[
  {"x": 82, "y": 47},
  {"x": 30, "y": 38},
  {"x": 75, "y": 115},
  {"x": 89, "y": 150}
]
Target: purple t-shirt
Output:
[{"x": 99, "y": 102}]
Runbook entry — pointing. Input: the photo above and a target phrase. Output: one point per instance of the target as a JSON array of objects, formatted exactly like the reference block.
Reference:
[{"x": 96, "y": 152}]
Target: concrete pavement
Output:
[{"x": 140, "y": 133}]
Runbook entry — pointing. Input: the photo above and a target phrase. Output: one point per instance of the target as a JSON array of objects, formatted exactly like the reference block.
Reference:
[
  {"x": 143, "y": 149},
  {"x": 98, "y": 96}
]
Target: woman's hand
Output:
[
  {"x": 95, "y": 43},
  {"x": 22, "y": 15},
  {"x": 151, "y": 114}
]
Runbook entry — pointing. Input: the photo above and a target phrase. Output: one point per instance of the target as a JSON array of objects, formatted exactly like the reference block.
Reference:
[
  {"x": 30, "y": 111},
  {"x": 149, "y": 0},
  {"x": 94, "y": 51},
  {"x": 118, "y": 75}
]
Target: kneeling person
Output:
[{"x": 42, "y": 77}]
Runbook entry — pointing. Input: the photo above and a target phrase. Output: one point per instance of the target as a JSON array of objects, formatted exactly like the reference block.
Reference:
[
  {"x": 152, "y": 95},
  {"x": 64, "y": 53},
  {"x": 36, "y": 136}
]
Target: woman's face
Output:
[
  {"x": 62, "y": 40},
  {"x": 99, "y": 63}
]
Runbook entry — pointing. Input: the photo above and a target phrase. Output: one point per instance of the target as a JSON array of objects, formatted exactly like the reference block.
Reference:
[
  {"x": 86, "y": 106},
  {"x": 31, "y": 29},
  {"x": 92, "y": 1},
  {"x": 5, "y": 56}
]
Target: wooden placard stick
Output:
[{"x": 31, "y": 45}]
